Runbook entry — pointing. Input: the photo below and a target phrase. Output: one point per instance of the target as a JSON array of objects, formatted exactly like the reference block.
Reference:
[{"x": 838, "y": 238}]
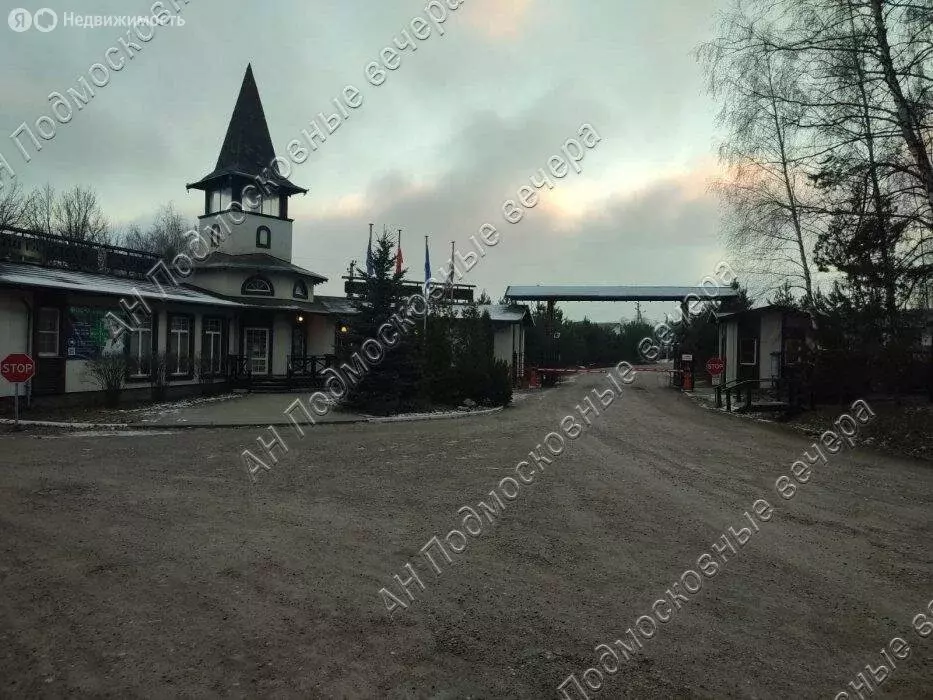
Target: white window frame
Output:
[
  {"x": 56, "y": 334},
  {"x": 271, "y": 206},
  {"x": 175, "y": 336},
  {"x": 143, "y": 350},
  {"x": 209, "y": 335},
  {"x": 268, "y": 292}
]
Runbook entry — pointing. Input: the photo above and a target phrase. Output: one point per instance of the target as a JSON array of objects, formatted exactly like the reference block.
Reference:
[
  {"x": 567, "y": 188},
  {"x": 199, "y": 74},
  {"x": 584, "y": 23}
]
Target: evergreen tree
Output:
[
  {"x": 440, "y": 380},
  {"x": 392, "y": 386}
]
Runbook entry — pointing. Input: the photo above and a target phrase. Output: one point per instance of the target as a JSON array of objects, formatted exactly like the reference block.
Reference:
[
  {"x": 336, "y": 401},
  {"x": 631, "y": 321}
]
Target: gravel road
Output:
[{"x": 150, "y": 565}]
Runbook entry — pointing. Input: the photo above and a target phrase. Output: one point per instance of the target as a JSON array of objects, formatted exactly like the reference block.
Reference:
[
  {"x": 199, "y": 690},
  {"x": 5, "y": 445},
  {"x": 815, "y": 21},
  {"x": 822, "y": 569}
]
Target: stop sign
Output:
[
  {"x": 17, "y": 367},
  {"x": 715, "y": 365}
]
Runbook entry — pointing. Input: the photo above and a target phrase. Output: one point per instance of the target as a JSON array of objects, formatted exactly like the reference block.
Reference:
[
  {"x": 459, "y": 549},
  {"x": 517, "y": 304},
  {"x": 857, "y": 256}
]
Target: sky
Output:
[{"x": 466, "y": 119}]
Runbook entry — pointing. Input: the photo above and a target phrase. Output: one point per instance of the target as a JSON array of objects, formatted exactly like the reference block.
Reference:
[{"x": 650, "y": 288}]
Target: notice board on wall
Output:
[{"x": 88, "y": 332}]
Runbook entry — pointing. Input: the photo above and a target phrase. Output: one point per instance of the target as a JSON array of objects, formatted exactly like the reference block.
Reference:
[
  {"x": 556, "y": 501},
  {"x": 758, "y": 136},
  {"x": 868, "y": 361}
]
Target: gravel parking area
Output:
[{"x": 150, "y": 565}]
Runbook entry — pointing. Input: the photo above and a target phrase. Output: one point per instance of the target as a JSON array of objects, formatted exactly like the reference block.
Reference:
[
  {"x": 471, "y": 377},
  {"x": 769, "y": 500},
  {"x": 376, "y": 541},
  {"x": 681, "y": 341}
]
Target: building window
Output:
[
  {"x": 257, "y": 286},
  {"x": 251, "y": 199},
  {"x": 214, "y": 236},
  {"x": 212, "y": 345},
  {"x": 263, "y": 237},
  {"x": 270, "y": 205},
  {"x": 748, "y": 351},
  {"x": 47, "y": 332},
  {"x": 179, "y": 345},
  {"x": 220, "y": 200},
  {"x": 301, "y": 290},
  {"x": 139, "y": 351}
]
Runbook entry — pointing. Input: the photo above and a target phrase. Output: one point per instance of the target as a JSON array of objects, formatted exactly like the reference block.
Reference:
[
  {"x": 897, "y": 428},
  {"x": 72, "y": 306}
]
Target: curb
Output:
[
  {"x": 246, "y": 424},
  {"x": 63, "y": 424}
]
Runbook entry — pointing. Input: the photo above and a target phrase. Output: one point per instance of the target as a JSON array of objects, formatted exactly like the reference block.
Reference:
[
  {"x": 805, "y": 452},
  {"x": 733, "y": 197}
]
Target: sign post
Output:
[
  {"x": 16, "y": 369},
  {"x": 715, "y": 367}
]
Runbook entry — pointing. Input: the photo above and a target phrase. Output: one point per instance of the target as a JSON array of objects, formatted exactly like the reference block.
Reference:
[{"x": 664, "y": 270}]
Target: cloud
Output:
[{"x": 499, "y": 19}]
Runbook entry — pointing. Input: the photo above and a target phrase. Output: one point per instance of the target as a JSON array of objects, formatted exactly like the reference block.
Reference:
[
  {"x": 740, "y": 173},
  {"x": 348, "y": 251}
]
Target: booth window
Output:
[
  {"x": 47, "y": 330},
  {"x": 300, "y": 290},
  {"x": 263, "y": 237},
  {"x": 748, "y": 351},
  {"x": 257, "y": 286}
]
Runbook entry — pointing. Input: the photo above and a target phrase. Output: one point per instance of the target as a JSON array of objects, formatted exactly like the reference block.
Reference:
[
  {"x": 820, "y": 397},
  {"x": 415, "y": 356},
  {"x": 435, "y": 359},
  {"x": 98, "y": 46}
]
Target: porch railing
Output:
[
  {"x": 308, "y": 365},
  {"x": 238, "y": 369}
]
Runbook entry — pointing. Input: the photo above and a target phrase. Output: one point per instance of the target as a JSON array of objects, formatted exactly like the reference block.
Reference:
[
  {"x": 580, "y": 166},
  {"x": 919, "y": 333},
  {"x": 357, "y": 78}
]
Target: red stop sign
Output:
[
  {"x": 715, "y": 365},
  {"x": 17, "y": 367}
]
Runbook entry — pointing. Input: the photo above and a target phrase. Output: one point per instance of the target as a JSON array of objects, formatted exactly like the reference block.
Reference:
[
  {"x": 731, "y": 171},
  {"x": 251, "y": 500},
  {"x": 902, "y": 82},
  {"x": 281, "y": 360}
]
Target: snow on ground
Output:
[
  {"x": 170, "y": 407},
  {"x": 433, "y": 415}
]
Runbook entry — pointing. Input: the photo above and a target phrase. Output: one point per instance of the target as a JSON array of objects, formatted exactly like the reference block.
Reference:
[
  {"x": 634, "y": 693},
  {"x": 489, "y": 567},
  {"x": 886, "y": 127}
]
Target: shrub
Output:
[
  {"x": 159, "y": 376},
  {"x": 500, "y": 384},
  {"x": 108, "y": 371}
]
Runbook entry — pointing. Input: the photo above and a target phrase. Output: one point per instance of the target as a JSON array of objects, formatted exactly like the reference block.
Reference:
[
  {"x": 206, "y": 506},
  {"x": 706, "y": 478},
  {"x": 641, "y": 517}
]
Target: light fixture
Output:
[
  {"x": 300, "y": 319},
  {"x": 343, "y": 329}
]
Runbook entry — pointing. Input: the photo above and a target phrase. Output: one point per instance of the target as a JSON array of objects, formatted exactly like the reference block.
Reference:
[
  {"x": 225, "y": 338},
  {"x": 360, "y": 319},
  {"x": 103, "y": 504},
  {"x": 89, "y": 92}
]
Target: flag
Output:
[
  {"x": 398, "y": 254},
  {"x": 450, "y": 275},
  {"x": 427, "y": 265},
  {"x": 370, "y": 266}
]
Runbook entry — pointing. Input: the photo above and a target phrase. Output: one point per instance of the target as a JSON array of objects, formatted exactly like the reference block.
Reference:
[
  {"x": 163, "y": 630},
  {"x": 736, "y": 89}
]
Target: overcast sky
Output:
[{"x": 453, "y": 133}]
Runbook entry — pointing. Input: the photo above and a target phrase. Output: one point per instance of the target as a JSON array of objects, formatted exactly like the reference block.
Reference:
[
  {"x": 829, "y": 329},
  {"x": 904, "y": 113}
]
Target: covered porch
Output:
[{"x": 286, "y": 345}]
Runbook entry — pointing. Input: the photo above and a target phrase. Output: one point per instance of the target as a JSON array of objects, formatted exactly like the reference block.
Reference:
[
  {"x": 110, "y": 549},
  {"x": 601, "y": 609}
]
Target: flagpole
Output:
[
  {"x": 452, "y": 267},
  {"x": 427, "y": 294}
]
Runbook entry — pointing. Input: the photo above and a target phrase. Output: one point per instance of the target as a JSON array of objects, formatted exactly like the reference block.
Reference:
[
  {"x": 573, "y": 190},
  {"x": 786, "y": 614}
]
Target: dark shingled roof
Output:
[
  {"x": 259, "y": 262},
  {"x": 247, "y": 147}
]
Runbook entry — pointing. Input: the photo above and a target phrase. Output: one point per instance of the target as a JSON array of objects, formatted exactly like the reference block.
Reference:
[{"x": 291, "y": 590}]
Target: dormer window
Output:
[
  {"x": 257, "y": 286},
  {"x": 263, "y": 237},
  {"x": 300, "y": 291}
]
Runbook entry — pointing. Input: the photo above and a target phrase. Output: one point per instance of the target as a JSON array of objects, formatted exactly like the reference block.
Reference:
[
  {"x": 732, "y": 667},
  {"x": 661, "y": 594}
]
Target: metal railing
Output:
[
  {"x": 238, "y": 368},
  {"x": 22, "y": 245},
  {"x": 308, "y": 365},
  {"x": 793, "y": 392}
]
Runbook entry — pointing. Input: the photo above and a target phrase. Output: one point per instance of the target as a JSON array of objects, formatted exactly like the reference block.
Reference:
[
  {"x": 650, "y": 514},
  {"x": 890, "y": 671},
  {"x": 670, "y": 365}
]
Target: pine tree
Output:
[{"x": 393, "y": 385}]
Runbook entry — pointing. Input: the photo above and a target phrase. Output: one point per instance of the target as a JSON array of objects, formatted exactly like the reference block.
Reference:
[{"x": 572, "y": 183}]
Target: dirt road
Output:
[{"x": 149, "y": 565}]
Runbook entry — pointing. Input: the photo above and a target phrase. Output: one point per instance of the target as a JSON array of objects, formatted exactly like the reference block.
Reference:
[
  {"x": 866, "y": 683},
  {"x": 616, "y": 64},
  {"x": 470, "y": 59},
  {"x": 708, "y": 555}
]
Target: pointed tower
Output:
[{"x": 238, "y": 181}]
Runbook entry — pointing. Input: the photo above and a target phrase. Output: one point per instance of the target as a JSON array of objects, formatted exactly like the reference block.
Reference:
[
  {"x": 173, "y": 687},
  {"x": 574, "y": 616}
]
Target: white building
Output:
[{"x": 246, "y": 310}]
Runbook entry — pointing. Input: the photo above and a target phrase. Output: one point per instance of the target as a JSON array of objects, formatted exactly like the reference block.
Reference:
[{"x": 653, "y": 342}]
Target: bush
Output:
[
  {"x": 500, "y": 384},
  {"x": 205, "y": 375},
  {"x": 108, "y": 371},
  {"x": 159, "y": 376}
]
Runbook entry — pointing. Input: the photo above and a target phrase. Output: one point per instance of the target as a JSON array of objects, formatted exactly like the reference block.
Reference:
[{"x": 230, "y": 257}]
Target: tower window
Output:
[
  {"x": 300, "y": 291},
  {"x": 263, "y": 237},
  {"x": 270, "y": 205},
  {"x": 257, "y": 286},
  {"x": 220, "y": 200}
]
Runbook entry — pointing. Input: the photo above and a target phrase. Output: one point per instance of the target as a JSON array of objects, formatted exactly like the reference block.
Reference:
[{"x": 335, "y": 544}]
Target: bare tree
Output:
[
  {"x": 14, "y": 204},
  {"x": 166, "y": 235},
  {"x": 78, "y": 215},
  {"x": 765, "y": 150},
  {"x": 40, "y": 213}
]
